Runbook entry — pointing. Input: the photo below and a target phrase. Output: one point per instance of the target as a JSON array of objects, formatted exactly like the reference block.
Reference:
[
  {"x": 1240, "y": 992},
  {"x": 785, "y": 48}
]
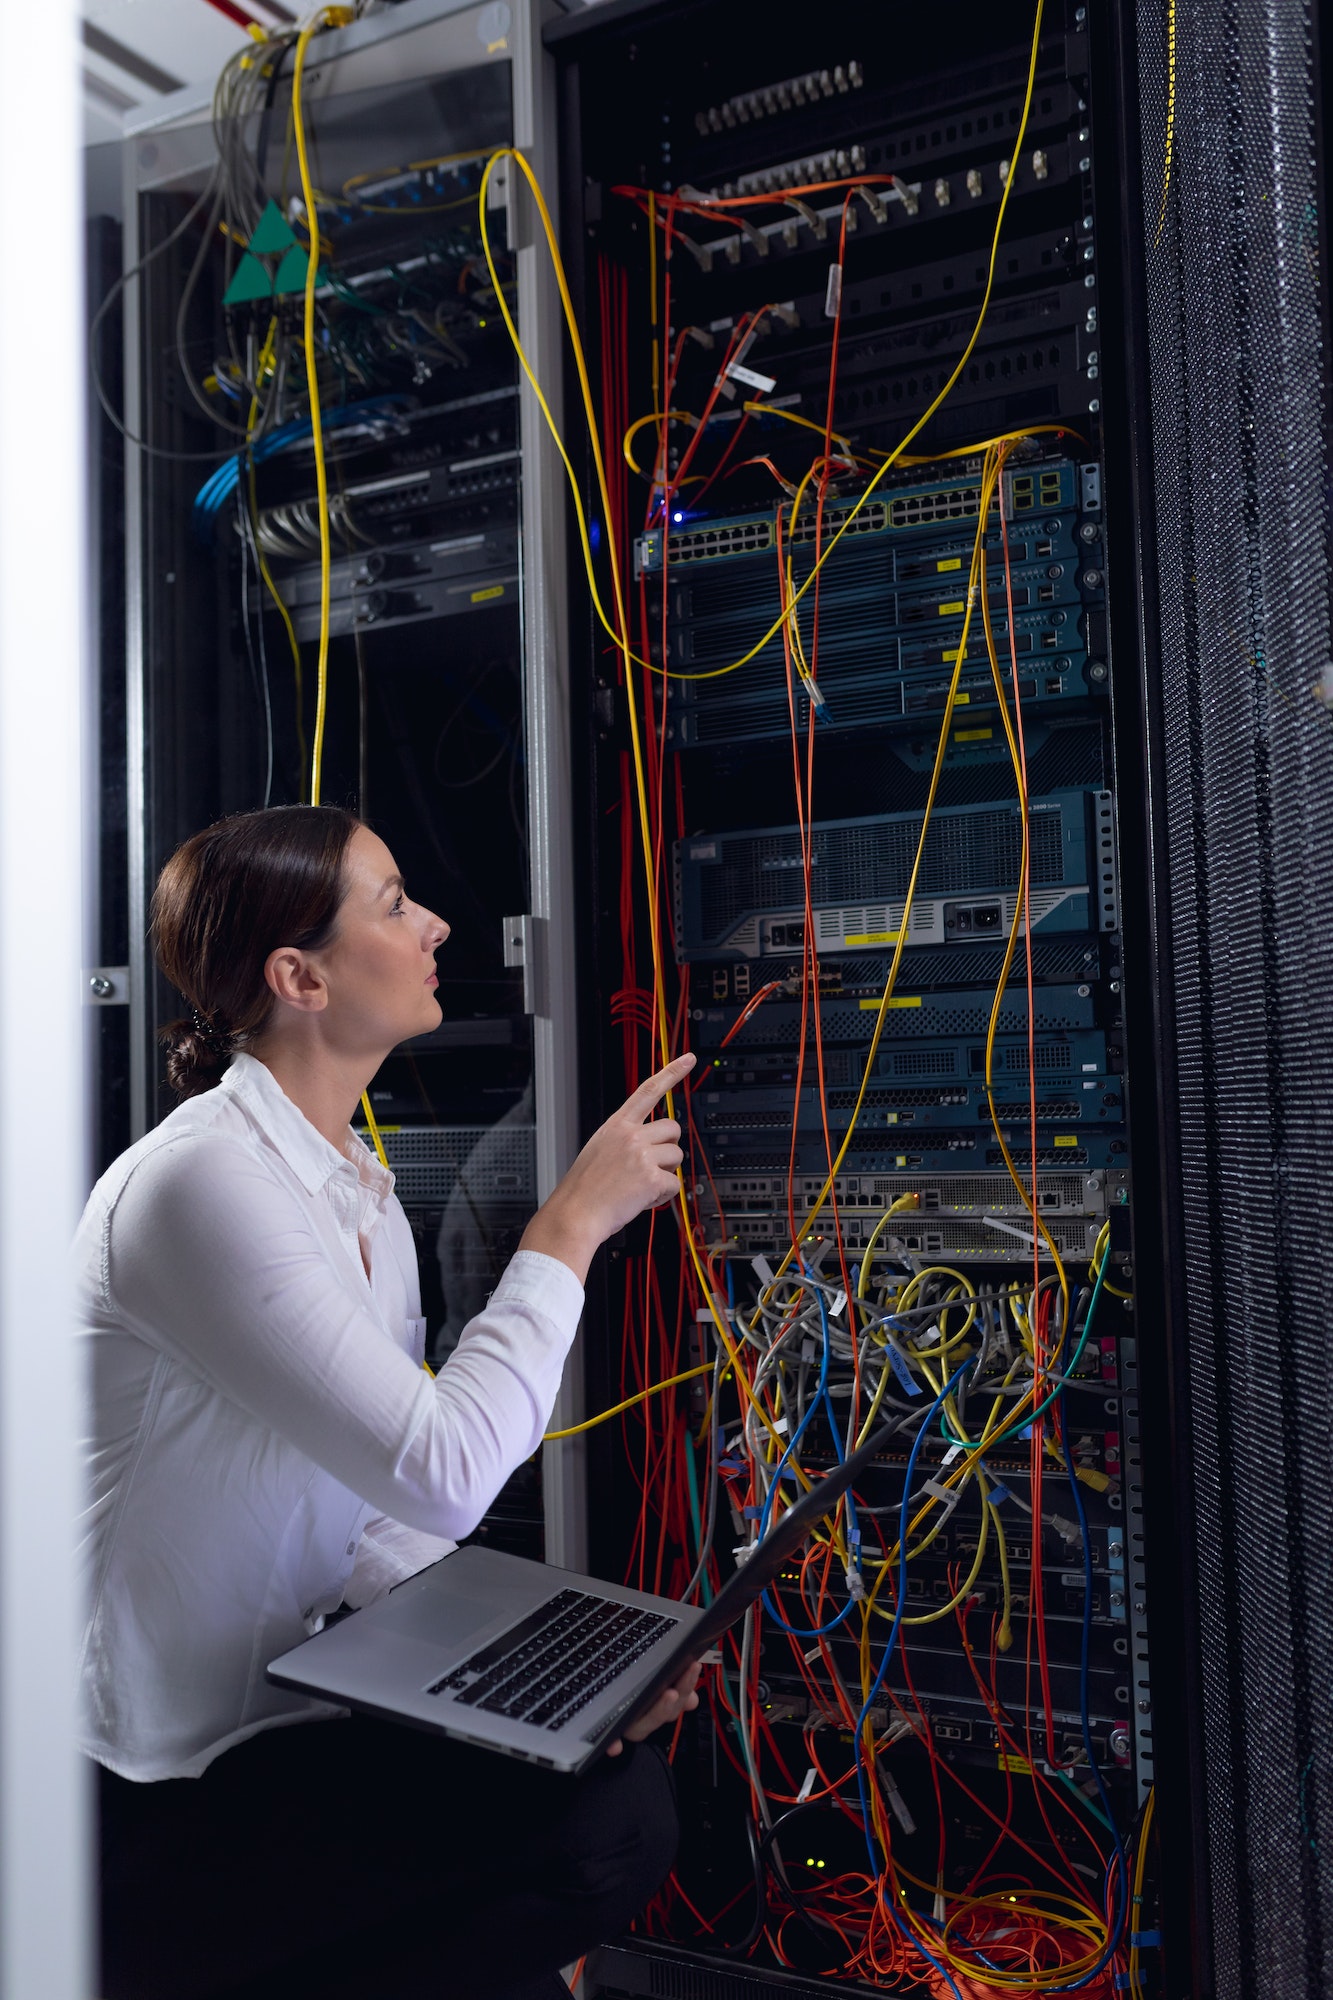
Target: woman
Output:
[{"x": 266, "y": 1448}]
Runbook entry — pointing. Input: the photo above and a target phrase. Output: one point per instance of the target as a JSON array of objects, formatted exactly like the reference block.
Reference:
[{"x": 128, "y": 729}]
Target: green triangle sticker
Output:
[
  {"x": 251, "y": 281},
  {"x": 273, "y": 233},
  {"x": 292, "y": 272}
]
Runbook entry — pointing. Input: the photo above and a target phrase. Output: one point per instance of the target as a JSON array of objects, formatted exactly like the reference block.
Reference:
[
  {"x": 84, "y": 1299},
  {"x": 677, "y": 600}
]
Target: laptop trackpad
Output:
[{"x": 444, "y": 1617}]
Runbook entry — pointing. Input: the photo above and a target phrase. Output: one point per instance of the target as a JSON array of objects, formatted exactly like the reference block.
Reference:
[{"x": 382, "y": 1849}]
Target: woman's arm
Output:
[{"x": 216, "y": 1261}]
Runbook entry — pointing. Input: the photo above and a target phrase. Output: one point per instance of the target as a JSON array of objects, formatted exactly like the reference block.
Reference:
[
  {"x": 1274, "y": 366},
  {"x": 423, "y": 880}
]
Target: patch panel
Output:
[{"x": 738, "y": 894}]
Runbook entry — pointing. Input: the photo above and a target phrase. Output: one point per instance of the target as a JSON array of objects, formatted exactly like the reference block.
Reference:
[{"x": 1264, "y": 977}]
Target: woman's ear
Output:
[{"x": 294, "y": 979}]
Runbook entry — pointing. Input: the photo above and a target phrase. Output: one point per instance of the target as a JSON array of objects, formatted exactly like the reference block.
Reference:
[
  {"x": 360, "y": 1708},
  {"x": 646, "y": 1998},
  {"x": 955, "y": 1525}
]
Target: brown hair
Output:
[{"x": 227, "y": 898}]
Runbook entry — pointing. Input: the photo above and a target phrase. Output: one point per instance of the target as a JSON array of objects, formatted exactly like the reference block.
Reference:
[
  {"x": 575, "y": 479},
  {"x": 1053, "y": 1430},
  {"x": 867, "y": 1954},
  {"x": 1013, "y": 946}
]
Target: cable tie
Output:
[{"x": 807, "y": 1785}]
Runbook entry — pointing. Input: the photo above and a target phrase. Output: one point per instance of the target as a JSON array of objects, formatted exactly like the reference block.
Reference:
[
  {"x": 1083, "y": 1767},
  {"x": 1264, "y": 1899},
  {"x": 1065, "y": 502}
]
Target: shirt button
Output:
[{"x": 351, "y": 1548}]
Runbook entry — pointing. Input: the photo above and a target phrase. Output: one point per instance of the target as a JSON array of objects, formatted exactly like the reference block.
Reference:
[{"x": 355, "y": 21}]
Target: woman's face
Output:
[{"x": 379, "y": 970}]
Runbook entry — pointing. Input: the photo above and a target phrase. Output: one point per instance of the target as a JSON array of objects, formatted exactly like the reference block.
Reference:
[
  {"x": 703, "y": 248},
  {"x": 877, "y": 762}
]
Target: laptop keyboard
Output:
[{"x": 548, "y": 1667}]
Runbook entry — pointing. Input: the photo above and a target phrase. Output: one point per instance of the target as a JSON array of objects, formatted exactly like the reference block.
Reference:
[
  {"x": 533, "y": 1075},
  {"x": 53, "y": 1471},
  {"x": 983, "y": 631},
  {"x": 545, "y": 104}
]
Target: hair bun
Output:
[{"x": 196, "y": 1057}]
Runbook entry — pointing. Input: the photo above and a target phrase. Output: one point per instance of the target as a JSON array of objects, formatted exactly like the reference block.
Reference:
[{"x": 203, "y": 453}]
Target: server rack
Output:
[
  {"x": 684, "y": 99},
  {"x": 448, "y": 582}
]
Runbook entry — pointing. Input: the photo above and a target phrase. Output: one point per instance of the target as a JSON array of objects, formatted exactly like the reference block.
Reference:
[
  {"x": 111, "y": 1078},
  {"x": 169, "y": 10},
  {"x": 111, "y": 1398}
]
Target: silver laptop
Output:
[{"x": 530, "y": 1660}]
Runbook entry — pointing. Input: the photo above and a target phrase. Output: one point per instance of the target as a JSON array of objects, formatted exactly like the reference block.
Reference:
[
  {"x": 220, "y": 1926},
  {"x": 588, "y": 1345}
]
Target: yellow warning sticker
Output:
[
  {"x": 890, "y": 1118},
  {"x": 972, "y": 735},
  {"x": 859, "y": 938},
  {"x": 962, "y": 699},
  {"x": 1066, "y": 1139},
  {"x": 897, "y": 1000},
  {"x": 950, "y": 562},
  {"x": 952, "y": 609},
  {"x": 1010, "y": 1761},
  {"x": 491, "y": 590}
]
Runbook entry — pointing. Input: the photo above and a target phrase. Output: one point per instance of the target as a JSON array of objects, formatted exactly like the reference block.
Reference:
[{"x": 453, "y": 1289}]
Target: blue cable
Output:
[{"x": 221, "y": 484}]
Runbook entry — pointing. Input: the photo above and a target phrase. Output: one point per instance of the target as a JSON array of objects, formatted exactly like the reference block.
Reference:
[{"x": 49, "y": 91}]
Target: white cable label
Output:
[{"x": 751, "y": 377}]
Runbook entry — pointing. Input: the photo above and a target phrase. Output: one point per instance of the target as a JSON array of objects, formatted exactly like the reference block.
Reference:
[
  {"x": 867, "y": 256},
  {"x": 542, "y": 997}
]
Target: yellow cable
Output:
[
  {"x": 1136, "y": 1899},
  {"x": 1022, "y": 913},
  {"x": 327, "y": 17},
  {"x": 1170, "y": 118},
  {"x": 620, "y": 633},
  {"x": 641, "y": 423},
  {"x": 330, "y": 17},
  {"x": 654, "y": 1389}
]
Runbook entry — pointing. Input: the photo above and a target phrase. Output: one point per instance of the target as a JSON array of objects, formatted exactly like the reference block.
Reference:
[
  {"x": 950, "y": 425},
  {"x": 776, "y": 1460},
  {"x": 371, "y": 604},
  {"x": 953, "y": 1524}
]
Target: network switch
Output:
[{"x": 741, "y": 894}]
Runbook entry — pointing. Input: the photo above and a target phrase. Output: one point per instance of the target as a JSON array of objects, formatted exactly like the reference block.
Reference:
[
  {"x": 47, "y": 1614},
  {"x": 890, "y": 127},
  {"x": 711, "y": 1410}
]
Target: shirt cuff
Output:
[{"x": 545, "y": 1285}]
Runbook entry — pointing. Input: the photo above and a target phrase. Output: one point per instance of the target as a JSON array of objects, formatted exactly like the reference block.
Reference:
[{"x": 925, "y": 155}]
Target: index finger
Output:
[{"x": 654, "y": 1088}]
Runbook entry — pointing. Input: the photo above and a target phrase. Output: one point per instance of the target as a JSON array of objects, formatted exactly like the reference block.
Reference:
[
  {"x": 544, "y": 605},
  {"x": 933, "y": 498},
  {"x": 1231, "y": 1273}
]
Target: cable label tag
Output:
[
  {"x": 910, "y": 1385},
  {"x": 751, "y": 377},
  {"x": 948, "y": 1496},
  {"x": 763, "y": 1268},
  {"x": 807, "y": 1785},
  {"x": 833, "y": 294}
]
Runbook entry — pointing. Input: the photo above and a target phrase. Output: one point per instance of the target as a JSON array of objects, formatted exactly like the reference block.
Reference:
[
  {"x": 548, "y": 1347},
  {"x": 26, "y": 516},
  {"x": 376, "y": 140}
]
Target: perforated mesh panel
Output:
[
  {"x": 483, "y": 1162},
  {"x": 1240, "y": 476}
]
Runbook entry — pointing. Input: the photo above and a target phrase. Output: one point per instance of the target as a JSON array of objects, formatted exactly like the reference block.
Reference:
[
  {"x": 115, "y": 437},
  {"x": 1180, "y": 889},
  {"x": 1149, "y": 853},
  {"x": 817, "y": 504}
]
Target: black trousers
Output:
[{"x": 357, "y": 1860}]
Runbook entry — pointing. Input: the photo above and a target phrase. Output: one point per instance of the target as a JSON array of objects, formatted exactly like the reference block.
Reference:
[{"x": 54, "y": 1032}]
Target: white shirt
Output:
[{"x": 264, "y": 1443}]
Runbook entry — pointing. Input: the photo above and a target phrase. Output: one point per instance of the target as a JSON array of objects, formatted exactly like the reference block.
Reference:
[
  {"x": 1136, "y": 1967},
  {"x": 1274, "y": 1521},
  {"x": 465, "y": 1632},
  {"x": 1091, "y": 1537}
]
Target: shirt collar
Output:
[{"x": 307, "y": 1152}]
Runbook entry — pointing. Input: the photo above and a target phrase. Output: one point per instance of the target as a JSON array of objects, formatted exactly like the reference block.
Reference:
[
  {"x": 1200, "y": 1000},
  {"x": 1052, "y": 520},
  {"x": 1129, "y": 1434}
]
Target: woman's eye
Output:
[{"x": 397, "y": 909}]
